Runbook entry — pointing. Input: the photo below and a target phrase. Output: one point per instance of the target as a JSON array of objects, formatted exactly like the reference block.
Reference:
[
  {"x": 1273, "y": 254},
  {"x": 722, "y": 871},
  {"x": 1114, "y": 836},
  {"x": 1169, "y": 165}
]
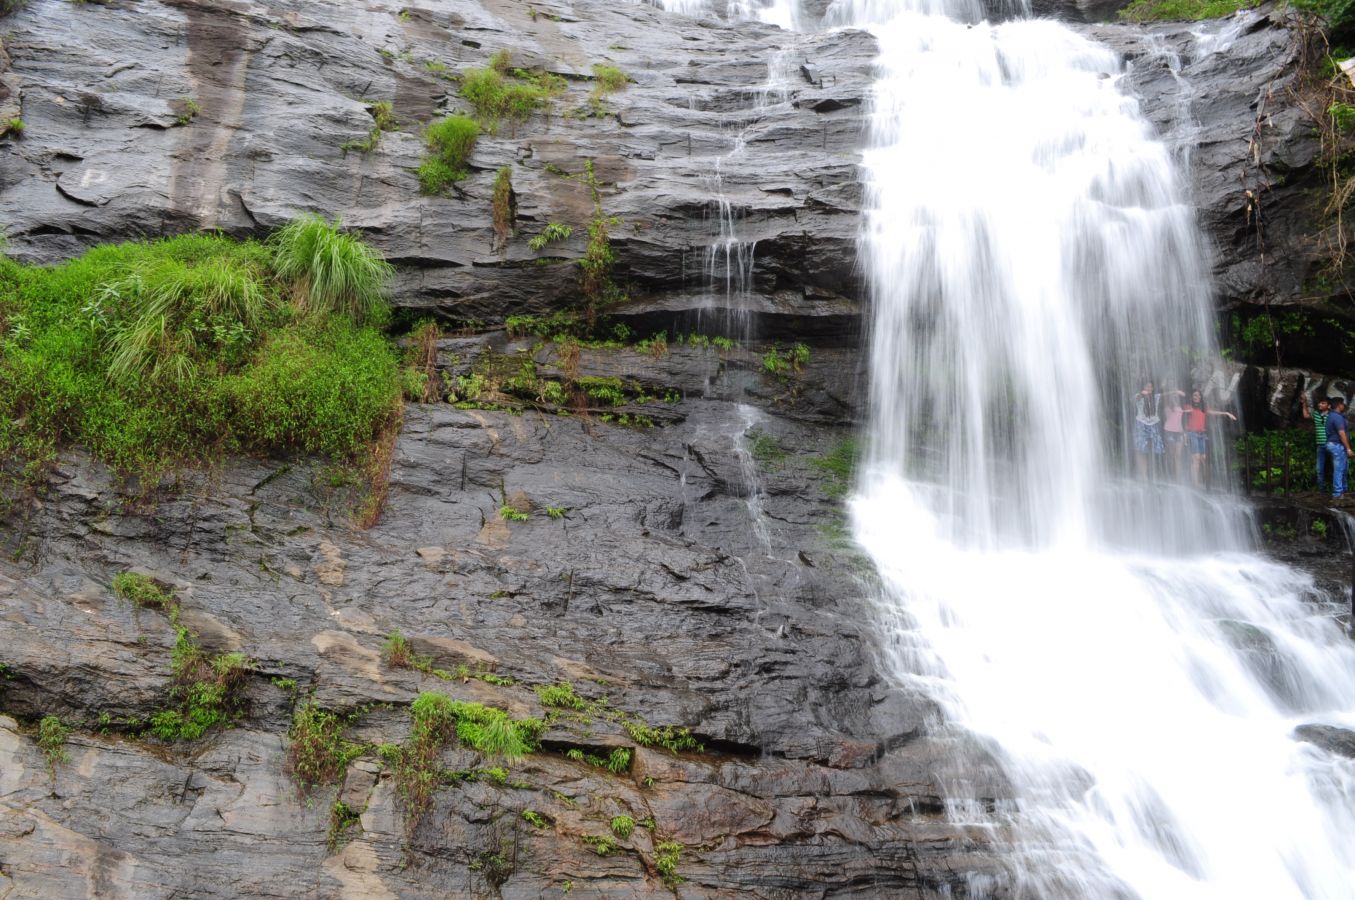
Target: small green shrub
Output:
[
  {"x": 552, "y": 233},
  {"x": 396, "y": 653},
  {"x": 450, "y": 142},
  {"x": 512, "y": 514},
  {"x": 342, "y": 819},
  {"x": 561, "y": 696},
  {"x": 332, "y": 272},
  {"x": 13, "y": 126},
  {"x": 319, "y": 754},
  {"x": 188, "y": 110},
  {"x": 52, "y": 735},
  {"x": 667, "y": 855},
  {"x": 142, "y": 590},
  {"x": 205, "y": 690},
  {"x": 557, "y": 512},
  {"x": 502, "y": 92},
  {"x": 601, "y": 844},
  {"x": 535, "y": 819},
  {"x": 622, "y": 826},
  {"x": 674, "y": 740},
  {"x": 607, "y": 80},
  {"x": 437, "y": 720}
]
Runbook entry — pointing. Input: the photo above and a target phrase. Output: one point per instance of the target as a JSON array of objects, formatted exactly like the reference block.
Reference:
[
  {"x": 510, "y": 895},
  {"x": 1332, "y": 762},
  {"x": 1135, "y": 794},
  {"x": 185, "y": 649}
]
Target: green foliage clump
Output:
[
  {"x": 674, "y": 740},
  {"x": 205, "y": 690},
  {"x": 188, "y": 110},
  {"x": 503, "y": 92},
  {"x": 557, "y": 512},
  {"x": 667, "y": 855},
  {"x": 601, "y": 844},
  {"x": 552, "y": 233},
  {"x": 396, "y": 653},
  {"x": 319, "y": 754},
  {"x": 52, "y": 735},
  {"x": 154, "y": 354},
  {"x": 534, "y": 818},
  {"x": 12, "y": 126},
  {"x": 512, "y": 514},
  {"x": 605, "y": 390},
  {"x": 450, "y": 142},
  {"x": 561, "y": 696},
  {"x": 1182, "y": 10},
  {"x": 142, "y": 590},
  {"x": 437, "y": 720},
  {"x": 622, "y": 826},
  {"x": 332, "y": 273},
  {"x": 607, "y": 80},
  {"x": 342, "y": 819},
  {"x": 615, "y": 762}
]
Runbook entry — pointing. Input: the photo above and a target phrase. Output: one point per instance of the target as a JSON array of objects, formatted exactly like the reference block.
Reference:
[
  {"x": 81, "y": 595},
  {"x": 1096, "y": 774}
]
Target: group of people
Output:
[
  {"x": 1333, "y": 444},
  {"x": 1168, "y": 423}
]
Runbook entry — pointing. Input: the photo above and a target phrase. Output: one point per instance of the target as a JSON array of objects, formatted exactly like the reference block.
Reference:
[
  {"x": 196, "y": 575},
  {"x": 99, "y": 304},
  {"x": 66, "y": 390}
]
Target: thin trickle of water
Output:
[
  {"x": 1032, "y": 256},
  {"x": 752, "y": 479}
]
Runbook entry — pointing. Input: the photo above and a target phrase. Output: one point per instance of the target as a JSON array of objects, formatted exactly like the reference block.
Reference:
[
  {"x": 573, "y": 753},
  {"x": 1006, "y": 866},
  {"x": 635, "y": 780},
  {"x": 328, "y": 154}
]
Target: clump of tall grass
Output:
[
  {"x": 157, "y": 354},
  {"x": 331, "y": 272},
  {"x": 450, "y": 142},
  {"x": 175, "y": 314}
]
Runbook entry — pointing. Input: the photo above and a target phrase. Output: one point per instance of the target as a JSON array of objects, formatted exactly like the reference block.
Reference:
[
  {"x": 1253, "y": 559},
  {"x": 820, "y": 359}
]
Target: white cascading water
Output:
[{"x": 1135, "y": 670}]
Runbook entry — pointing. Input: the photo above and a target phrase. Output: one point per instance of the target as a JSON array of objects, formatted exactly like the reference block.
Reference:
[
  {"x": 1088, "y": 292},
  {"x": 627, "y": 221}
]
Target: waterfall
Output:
[{"x": 1133, "y": 667}]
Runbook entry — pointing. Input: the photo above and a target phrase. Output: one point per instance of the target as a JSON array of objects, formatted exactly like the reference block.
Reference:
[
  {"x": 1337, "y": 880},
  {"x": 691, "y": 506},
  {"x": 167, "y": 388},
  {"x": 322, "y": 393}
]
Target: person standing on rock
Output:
[
  {"x": 1173, "y": 431},
  {"x": 1338, "y": 446},
  {"x": 1147, "y": 427},
  {"x": 1197, "y": 437},
  {"x": 1319, "y": 417}
]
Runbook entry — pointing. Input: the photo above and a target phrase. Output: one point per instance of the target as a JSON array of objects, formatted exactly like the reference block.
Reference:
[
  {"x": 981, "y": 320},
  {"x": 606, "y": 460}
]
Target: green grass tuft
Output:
[
  {"x": 450, "y": 142},
  {"x": 151, "y": 355},
  {"x": 319, "y": 754},
  {"x": 52, "y": 735},
  {"x": 1182, "y": 10},
  {"x": 332, "y": 273}
]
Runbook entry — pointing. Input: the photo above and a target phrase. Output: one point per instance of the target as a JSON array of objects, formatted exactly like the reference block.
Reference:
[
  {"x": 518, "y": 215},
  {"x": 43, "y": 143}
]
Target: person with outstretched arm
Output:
[
  {"x": 1338, "y": 446},
  {"x": 1197, "y": 415},
  {"x": 1319, "y": 417}
]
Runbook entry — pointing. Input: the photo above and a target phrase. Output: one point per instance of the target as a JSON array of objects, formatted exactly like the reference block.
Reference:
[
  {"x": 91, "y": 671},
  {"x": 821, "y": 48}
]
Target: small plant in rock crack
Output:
[
  {"x": 142, "y": 590},
  {"x": 52, "y": 735},
  {"x": 510, "y": 513},
  {"x": 188, "y": 110},
  {"x": 319, "y": 754},
  {"x": 622, "y": 826},
  {"x": 553, "y": 233}
]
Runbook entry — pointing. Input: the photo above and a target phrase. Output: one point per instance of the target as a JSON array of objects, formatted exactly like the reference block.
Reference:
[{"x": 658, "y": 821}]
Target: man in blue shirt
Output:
[{"x": 1338, "y": 446}]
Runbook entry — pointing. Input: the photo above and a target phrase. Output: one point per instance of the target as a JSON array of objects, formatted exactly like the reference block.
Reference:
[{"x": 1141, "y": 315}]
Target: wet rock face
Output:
[
  {"x": 151, "y": 117},
  {"x": 657, "y": 588},
  {"x": 145, "y": 118}
]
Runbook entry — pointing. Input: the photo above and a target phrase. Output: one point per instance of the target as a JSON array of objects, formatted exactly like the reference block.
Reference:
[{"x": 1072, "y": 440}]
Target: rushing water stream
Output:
[
  {"x": 1134, "y": 667},
  {"x": 1138, "y": 672}
]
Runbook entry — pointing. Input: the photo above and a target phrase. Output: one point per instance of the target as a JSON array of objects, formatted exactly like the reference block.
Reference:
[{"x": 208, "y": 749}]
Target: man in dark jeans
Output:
[
  {"x": 1338, "y": 446},
  {"x": 1319, "y": 417}
]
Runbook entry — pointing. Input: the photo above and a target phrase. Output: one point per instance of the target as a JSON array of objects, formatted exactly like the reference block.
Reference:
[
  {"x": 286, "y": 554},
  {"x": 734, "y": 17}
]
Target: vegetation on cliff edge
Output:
[{"x": 164, "y": 353}]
